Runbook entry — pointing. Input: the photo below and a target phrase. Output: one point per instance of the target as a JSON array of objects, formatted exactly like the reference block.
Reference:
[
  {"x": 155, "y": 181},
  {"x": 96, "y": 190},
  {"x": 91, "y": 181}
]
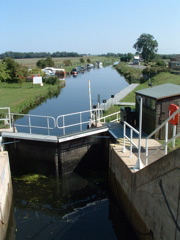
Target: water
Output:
[
  {"x": 75, "y": 96},
  {"x": 70, "y": 208},
  {"x": 78, "y": 207}
]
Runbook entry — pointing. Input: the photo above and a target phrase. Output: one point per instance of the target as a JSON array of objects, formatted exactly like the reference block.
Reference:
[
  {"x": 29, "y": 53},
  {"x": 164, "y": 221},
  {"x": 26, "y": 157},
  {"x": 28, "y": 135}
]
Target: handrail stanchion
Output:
[
  {"x": 124, "y": 148},
  {"x": 174, "y": 134},
  {"x": 131, "y": 136},
  {"x": 9, "y": 113},
  {"x": 29, "y": 120},
  {"x": 80, "y": 120},
  {"x": 146, "y": 152},
  {"x": 48, "y": 126},
  {"x": 13, "y": 124},
  {"x": 166, "y": 137},
  {"x": 139, "y": 164},
  {"x": 63, "y": 125}
]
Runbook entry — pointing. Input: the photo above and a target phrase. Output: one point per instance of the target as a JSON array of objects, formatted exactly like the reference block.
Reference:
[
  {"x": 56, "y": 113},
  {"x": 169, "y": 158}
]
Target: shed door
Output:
[{"x": 163, "y": 116}]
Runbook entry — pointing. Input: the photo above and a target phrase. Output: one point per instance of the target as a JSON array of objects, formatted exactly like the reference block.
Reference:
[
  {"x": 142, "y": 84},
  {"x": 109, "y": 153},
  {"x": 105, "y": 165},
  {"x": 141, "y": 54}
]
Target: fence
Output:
[{"x": 62, "y": 122}]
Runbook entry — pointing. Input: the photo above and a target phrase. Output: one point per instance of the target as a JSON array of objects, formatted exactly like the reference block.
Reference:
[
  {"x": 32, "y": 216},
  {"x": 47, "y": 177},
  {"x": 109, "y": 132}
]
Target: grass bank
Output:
[
  {"x": 22, "y": 98},
  {"x": 159, "y": 79},
  {"x": 130, "y": 73}
]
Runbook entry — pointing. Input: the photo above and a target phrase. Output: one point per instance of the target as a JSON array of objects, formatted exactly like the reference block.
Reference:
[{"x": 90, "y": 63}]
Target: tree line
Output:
[{"x": 20, "y": 55}]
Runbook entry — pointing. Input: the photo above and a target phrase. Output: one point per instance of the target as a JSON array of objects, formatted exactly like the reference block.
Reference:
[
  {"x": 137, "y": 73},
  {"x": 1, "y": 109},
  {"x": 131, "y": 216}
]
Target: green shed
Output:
[{"x": 155, "y": 110}]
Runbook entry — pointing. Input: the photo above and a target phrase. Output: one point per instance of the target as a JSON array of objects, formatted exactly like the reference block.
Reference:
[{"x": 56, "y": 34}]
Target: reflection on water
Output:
[
  {"x": 74, "y": 97},
  {"x": 69, "y": 208}
]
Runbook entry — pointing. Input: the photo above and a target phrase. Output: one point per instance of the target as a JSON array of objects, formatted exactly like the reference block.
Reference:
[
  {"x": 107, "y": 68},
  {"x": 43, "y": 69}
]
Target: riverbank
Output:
[
  {"x": 21, "y": 98},
  {"x": 159, "y": 79}
]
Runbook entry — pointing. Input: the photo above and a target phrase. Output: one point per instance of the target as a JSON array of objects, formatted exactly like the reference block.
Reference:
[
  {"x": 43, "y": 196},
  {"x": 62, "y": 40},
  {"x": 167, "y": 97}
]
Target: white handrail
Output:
[
  {"x": 30, "y": 126},
  {"x": 110, "y": 115},
  {"x": 95, "y": 116},
  {"x": 165, "y": 123},
  {"x": 92, "y": 113},
  {"x": 132, "y": 129},
  {"x": 8, "y": 116}
]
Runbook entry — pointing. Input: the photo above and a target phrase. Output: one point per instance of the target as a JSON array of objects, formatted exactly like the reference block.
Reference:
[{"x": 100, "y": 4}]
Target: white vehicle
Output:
[{"x": 54, "y": 71}]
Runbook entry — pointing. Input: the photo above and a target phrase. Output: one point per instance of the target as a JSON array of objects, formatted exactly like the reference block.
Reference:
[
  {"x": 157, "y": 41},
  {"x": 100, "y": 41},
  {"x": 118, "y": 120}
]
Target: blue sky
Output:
[{"x": 91, "y": 27}]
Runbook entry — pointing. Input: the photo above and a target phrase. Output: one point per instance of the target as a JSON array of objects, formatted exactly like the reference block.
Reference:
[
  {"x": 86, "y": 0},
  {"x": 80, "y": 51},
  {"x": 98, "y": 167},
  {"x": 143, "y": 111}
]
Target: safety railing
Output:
[
  {"x": 115, "y": 116},
  {"x": 28, "y": 122},
  {"x": 48, "y": 121},
  {"x": 132, "y": 130},
  {"x": 88, "y": 117},
  {"x": 5, "y": 116},
  {"x": 130, "y": 139},
  {"x": 167, "y": 141}
]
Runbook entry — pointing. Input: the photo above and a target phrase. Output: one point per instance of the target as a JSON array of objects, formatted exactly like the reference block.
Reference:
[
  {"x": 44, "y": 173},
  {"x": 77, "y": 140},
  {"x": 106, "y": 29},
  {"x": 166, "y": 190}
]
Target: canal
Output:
[
  {"x": 74, "y": 97},
  {"x": 75, "y": 206}
]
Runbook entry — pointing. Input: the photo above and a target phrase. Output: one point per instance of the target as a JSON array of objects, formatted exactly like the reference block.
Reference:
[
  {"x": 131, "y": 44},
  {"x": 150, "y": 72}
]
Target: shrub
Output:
[
  {"x": 51, "y": 80},
  {"x": 161, "y": 63}
]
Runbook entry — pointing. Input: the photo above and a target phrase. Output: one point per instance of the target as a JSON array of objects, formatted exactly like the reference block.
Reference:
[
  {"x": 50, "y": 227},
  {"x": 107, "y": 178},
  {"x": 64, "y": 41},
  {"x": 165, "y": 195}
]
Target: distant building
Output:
[
  {"x": 174, "y": 63},
  {"x": 136, "y": 60}
]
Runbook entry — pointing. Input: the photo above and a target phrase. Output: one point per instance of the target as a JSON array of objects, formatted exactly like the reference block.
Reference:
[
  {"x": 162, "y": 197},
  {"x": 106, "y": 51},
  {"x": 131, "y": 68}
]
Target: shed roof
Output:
[{"x": 161, "y": 91}]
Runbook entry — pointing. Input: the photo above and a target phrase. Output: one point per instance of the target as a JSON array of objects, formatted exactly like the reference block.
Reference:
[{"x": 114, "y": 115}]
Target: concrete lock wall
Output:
[
  {"x": 149, "y": 197},
  {"x": 5, "y": 194}
]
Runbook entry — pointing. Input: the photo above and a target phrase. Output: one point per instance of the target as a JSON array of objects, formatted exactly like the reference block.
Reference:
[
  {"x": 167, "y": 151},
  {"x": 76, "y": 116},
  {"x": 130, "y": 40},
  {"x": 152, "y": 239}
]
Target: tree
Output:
[
  {"x": 17, "y": 72},
  {"x": 81, "y": 60},
  {"x": 146, "y": 45},
  {"x": 11, "y": 66},
  {"x": 42, "y": 63},
  {"x": 49, "y": 62},
  {"x": 4, "y": 73}
]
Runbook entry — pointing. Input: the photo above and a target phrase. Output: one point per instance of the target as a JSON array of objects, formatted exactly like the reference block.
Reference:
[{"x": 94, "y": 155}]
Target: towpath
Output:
[{"x": 120, "y": 95}]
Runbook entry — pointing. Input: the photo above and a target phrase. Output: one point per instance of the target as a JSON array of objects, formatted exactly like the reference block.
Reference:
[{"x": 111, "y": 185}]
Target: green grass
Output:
[
  {"x": 19, "y": 99},
  {"x": 59, "y": 62},
  {"x": 159, "y": 79}
]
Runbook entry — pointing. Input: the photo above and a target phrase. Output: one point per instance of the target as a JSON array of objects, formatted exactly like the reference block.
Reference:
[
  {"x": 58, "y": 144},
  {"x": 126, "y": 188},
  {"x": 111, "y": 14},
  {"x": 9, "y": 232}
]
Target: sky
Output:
[{"x": 88, "y": 27}]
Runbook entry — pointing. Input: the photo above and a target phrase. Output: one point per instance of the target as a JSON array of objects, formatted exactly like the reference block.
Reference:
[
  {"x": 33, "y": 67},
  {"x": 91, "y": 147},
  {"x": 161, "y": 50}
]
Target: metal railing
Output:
[
  {"x": 167, "y": 141},
  {"x": 130, "y": 139},
  {"x": 81, "y": 119},
  {"x": 116, "y": 119},
  {"x": 48, "y": 126},
  {"x": 63, "y": 122},
  {"x": 7, "y": 113},
  {"x": 165, "y": 145}
]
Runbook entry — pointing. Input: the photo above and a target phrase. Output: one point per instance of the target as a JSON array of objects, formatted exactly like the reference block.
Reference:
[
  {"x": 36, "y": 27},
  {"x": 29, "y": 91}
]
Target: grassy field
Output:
[
  {"x": 20, "y": 98},
  {"x": 59, "y": 62}
]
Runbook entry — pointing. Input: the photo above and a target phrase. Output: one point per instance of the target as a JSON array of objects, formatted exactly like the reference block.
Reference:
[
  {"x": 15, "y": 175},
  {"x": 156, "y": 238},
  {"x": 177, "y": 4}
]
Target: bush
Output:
[
  {"x": 161, "y": 63},
  {"x": 51, "y": 80},
  {"x": 153, "y": 70}
]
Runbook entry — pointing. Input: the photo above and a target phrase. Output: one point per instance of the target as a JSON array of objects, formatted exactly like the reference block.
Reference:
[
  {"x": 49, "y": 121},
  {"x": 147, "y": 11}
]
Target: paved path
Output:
[{"x": 120, "y": 95}]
